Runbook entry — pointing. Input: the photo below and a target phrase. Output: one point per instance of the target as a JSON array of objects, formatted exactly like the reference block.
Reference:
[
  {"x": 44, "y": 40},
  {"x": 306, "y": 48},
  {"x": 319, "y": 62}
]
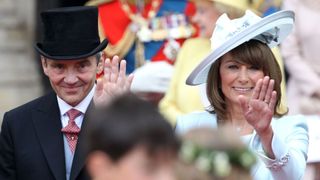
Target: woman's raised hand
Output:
[{"x": 259, "y": 109}]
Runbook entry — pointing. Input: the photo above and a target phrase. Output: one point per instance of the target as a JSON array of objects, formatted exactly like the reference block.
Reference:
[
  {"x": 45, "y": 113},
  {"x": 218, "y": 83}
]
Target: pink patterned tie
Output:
[{"x": 72, "y": 130}]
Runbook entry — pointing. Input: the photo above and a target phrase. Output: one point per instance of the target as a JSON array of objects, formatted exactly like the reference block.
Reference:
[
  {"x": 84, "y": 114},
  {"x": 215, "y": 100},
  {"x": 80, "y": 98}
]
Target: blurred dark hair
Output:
[
  {"x": 126, "y": 123},
  {"x": 253, "y": 53}
]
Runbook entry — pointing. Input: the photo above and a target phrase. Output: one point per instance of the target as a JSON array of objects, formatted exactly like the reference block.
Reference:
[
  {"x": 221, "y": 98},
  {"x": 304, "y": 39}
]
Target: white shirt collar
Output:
[{"x": 82, "y": 106}]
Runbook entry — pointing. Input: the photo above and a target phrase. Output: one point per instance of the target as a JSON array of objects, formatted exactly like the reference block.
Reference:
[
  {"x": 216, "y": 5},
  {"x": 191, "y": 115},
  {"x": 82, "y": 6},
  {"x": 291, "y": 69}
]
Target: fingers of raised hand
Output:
[
  {"x": 124, "y": 81},
  {"x": 115, "y": 80},
  {"x": 129, "y": 81},
  {"x": 126, "y": 84},
  {"x": 264, "y": 88},
  {"x": 257, "y": 89},
  {"x": 269, "y": 92},
  {"x": 107, "y": 69},
  {"x": 122, "y": 73},
  {"x": 273, "y": 100},
  {"x": 114, "y": 69}
]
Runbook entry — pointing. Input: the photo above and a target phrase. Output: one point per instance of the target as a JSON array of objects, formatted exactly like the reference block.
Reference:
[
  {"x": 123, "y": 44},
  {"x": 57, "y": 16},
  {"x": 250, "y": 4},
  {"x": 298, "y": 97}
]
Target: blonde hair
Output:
[{"x": 231, "y": 11}]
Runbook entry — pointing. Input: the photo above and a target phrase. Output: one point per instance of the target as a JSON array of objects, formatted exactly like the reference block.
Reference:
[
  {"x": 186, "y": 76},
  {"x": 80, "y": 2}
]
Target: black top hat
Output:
[{"x": 70, "y": 33}]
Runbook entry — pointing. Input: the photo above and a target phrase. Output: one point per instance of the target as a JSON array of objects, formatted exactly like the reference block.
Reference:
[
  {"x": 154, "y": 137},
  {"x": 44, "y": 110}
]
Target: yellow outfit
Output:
[
  {"x": 283, "y": 105},
  {"x": 181, "y": 98}
]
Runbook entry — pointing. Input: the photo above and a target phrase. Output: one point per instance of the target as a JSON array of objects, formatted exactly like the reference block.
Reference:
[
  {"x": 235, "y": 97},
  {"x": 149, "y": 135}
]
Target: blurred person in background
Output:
[
  {"x": 130, "y": 140},
  {"x": 301, "y": 57},
  {"x": 301, "y": 54},
  {"x": 243, "y": 86},
  {"x": 267, "y": 7},
  {"x": 148, "y": 34},
  {"x": 214, "y": 154},
  {"x": 181, "y": 98}
]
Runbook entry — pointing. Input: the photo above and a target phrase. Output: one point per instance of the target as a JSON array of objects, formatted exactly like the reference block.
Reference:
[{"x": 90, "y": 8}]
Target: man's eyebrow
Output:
[{"x": 84, "y": 60}]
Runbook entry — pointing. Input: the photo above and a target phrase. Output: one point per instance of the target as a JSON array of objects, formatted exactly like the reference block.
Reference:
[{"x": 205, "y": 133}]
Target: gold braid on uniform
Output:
[
  {"x": 123, "y": 45},
  {"x": 139, "y": 53},
  {"x": 137, "y": 19},
  {"x": 129, "y": 37},
  {"x": 97, "y": 2}
]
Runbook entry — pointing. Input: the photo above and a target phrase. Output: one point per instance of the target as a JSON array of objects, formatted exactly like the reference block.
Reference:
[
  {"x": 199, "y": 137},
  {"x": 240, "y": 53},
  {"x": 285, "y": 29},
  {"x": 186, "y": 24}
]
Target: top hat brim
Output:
[
  {"x": 283, "y": 20},
  {"x": 99, "y": 48}
]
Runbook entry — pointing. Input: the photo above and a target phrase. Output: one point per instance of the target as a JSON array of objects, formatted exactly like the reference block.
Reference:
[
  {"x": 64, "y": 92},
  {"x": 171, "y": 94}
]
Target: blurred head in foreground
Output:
[{"x": 129, "y": 139}]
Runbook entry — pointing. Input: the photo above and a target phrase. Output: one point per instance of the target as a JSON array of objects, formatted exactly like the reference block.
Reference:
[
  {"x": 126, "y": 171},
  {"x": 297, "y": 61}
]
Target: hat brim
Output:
[
  {"x": 283, "y": 20},
  {"x": 99, "y": 48}
]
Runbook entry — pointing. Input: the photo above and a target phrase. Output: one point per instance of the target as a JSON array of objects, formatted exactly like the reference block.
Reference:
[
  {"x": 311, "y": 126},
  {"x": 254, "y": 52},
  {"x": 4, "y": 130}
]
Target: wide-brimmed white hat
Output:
[
  {"x": 229, "y": 34},
  {"x": 152, "y": 77}
]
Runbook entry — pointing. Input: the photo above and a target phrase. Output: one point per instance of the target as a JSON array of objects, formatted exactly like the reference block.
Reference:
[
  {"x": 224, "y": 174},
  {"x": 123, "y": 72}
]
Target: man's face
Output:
[{"x": 72, "y": 80}]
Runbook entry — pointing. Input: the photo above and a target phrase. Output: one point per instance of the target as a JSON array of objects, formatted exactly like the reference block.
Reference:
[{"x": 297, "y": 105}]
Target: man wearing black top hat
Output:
[{"x": 41, "y": 140}]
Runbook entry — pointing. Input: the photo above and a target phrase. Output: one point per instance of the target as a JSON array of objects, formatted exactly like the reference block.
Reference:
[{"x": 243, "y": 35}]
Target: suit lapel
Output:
[
  {"x": 47, "y": 123},
  {"x": 80, "y": 153}
]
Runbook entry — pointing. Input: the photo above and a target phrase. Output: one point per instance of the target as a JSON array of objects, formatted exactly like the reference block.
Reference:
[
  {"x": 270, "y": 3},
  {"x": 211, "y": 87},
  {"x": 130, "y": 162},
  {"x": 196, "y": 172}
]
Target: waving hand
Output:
[{"x": 113, "y": 83}]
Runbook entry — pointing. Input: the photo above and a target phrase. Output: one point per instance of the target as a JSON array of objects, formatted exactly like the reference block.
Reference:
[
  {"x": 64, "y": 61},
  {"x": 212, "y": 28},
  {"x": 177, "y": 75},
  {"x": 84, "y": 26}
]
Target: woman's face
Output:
[
  {"x": 237, "y": 79},
  {"x": 205, "y": 17}
]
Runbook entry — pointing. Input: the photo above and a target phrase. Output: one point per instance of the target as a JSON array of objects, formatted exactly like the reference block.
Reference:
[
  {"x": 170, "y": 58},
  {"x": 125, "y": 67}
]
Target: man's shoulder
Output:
[{"x": 33, "y": 104}]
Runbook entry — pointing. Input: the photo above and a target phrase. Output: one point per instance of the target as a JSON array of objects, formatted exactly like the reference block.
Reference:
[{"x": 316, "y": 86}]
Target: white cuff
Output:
[
  {"x": 278, "y": 163},
  {"x": 281, "y": 153}
]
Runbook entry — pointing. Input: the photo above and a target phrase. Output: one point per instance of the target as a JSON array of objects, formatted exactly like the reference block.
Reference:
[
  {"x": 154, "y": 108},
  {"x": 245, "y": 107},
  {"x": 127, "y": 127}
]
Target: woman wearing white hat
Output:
[
  {"x": 243, "y": 86},
  {"x": 180, "y": 98}
]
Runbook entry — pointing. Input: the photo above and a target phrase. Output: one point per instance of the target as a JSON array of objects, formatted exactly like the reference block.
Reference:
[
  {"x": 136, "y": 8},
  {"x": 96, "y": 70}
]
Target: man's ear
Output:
[
  {"x": 44, "y": 64},
  {"x": 101, "y": 62},
  {"x": 99, "y": 165}
]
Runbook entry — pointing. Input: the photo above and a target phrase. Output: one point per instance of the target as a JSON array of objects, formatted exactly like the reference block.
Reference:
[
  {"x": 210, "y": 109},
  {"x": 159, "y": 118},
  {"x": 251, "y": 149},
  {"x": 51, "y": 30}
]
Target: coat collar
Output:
[
  {"x": 46, "y": 119},
  {"x": 80, "y": 155}
]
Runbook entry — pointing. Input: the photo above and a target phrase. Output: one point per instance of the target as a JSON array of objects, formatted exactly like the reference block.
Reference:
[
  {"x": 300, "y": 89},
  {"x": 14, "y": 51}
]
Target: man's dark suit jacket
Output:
[{"x": 31, "y": 143}]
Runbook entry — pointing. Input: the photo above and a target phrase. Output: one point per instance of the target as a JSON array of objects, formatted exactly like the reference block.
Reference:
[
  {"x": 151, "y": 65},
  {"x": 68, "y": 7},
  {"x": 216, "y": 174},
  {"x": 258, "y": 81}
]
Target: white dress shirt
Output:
[{"x": 64, "y": 108}]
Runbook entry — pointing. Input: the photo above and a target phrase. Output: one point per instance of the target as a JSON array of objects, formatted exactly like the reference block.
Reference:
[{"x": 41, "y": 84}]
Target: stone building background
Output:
[{"x": 21, "y": 78}]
